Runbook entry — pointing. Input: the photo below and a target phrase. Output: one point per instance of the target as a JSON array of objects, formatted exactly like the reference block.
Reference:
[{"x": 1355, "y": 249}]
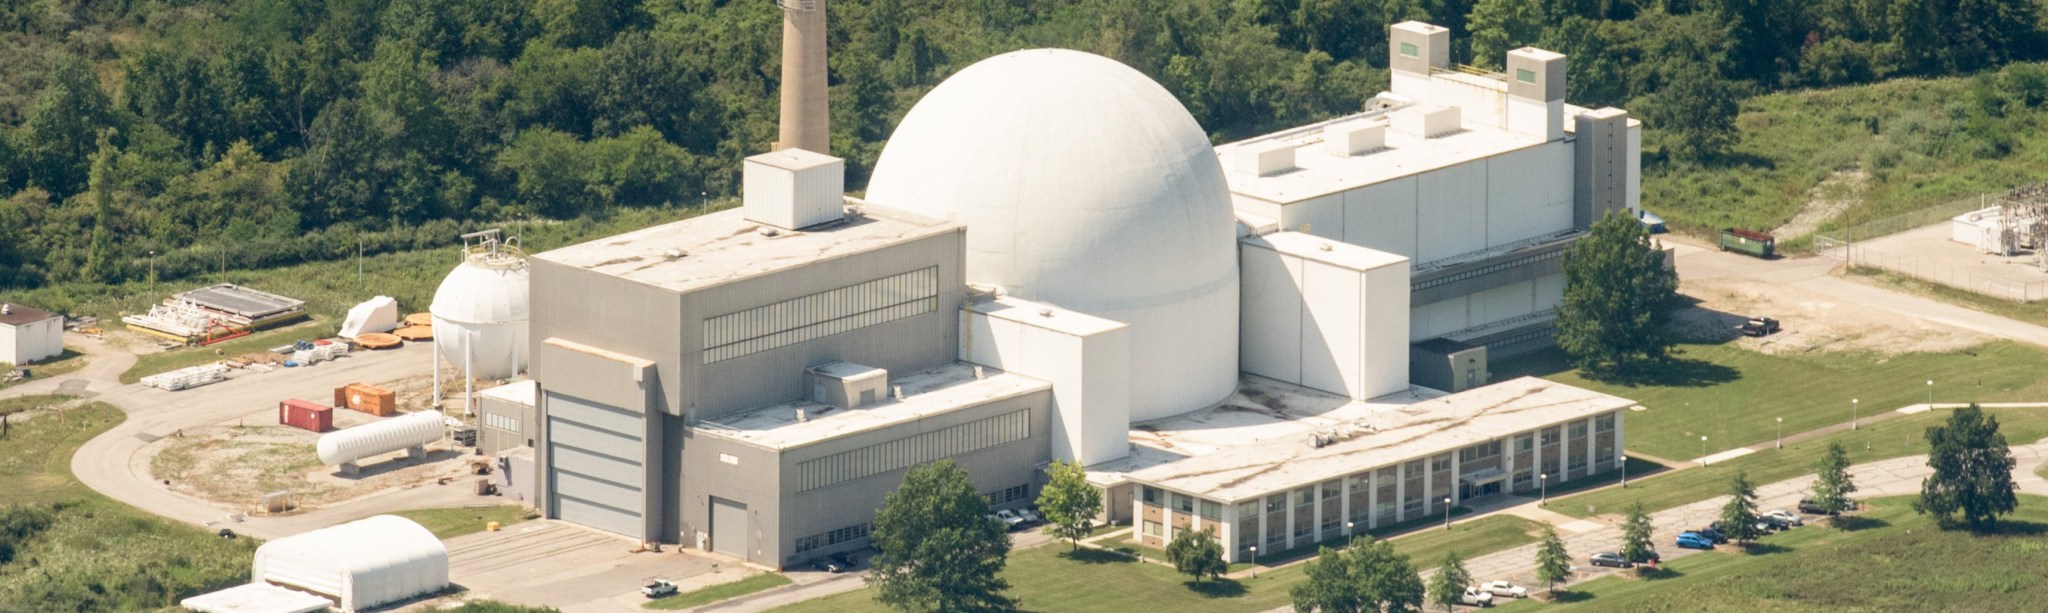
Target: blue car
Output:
[
  {"x": 1694, "y": 540},
  {"x": 1651, "y": 221}
]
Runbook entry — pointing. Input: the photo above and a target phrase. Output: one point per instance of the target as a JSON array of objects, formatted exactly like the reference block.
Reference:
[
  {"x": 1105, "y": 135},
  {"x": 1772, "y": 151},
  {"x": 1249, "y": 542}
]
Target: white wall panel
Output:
[
  {"x": 1323, "y": 216},
  {"x": 1451, "y": 216},
  {"x": 1271, "y": 334},
  {"x": 1330, "y": 345},
  {"x": 1529, "y": 193},
  {"x": 1438, "y": 318},
  {"x": 1088, "y": 371},
  {"x": 1386, "y": 315},
  {"x": 1382, "y": 216},
  {"x": 1549, "y": 291},
  {"x": 1505, "y": 302}
]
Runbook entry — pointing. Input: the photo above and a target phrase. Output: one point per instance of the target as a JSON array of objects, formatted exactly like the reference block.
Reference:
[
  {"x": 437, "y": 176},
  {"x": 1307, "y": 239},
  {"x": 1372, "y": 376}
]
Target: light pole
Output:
[
  {"x": 1930, "y": 394},
  {"x": 1623, "y": 460},
  {"x": 1781, "y": 433},
  {"x": 1703, "y": 450},
  {"x": 1255, "y": 555},
  {"x": 1347, "y": 528},
  {"x": 1543, "y": 489},
  {"x": 1447, "y": 512},
  {"x": 152, "y": 274},
  {"x": 1855, "y": 411}
]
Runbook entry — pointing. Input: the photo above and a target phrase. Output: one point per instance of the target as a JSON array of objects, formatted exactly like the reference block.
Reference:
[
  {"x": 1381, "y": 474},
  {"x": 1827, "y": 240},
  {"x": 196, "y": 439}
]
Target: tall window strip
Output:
[
  {"x": 910, "y": 451},
  {"x": 820, "y": 315}
]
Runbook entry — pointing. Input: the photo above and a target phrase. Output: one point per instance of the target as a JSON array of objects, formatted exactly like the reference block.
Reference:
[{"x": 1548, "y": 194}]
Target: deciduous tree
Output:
[
  {"x": 939, "y": 551},
  {"x": 1196, "y": 553},
  {"x": 1617, "y": 297},
  {"x": 1447, "y": 587},
  {"x": 1068, "y": 502},
  {"x": 1366, "y": 577},
  {"x": 1500, "y": 25},
  {"x": 1972, "y": 470}
]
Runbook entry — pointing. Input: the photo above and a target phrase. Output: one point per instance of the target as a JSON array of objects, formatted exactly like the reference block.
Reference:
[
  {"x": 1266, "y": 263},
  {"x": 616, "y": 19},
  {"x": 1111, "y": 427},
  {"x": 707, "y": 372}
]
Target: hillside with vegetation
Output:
[{"x": 187, "y": 136}]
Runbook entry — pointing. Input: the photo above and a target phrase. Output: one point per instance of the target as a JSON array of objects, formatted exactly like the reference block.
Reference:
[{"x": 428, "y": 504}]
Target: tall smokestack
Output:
[{"x": 804, "y": 116}]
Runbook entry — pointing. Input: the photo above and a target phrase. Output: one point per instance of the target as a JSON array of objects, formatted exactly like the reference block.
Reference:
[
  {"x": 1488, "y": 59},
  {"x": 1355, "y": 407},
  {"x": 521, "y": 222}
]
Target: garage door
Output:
[
  {"x": 595, "y": 456},
  {"x": 728, "y": 527}
]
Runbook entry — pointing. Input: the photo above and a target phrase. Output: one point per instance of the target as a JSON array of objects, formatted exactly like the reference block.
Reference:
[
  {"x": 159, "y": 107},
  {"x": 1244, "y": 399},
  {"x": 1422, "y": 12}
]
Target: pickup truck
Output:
[{"x": 658, "y": 588}]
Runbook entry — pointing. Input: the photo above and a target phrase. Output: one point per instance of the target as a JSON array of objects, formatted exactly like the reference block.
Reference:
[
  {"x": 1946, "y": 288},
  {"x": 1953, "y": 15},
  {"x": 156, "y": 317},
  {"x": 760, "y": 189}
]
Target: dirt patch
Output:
[
  {"x": 1837, "y": 193},
  {"x": 237, "y": 465},
  {"x": 1812, "y": 322}
]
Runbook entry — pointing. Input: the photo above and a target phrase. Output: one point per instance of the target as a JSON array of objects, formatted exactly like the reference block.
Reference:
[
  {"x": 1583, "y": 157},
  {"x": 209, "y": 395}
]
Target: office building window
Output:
[
  {"x": 1604, "y": 423},
  {"x": 507, "y": 423},
  {"x": 1153, "y": 528},
  {"x": 1525, "y": 75},
  {"x": 1212, "y": 510},
  {"x": 1409, "y": 50},
  {"x": 1149, "y": 495},
  {"x": 1183, "y": 503}
]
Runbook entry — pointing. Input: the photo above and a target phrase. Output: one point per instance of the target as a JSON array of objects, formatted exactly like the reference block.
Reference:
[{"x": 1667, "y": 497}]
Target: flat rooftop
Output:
[
  {"x": 17, "y": 315},
  {"x": 926, "y": 393},
  {"x": 1328, "y": 251},
  {"x": 717, "y": 248},
  {"x": 237, "y": 300},
  {"x": 256, "y": 598},
  {"x": 1257, "y": 442},
  {"x": 1320, "y": 173},
  {"x": 517, "y": 392}
]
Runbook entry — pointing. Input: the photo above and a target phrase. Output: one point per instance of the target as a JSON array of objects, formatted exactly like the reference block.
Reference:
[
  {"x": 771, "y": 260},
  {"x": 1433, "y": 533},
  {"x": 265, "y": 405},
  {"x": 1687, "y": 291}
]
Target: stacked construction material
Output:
[
  {"x": 187, "y": 377},
  {"x": 203, "y": 313}
]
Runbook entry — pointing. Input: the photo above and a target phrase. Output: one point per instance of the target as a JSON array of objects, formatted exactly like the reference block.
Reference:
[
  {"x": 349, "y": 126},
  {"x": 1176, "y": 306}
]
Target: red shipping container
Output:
[{"x": 305, "y": 415}]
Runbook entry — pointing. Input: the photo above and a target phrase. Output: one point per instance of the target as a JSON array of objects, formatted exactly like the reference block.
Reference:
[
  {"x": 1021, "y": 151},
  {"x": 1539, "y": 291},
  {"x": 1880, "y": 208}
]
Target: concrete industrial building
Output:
[
  {"x": 1052, "y": 262},
  {"x": 29, "y": 335}
]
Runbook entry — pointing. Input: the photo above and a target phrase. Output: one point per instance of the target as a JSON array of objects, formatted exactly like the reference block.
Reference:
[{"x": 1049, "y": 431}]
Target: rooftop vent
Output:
[
  {"x": 1355, "y": 138},
  {"x": 1265, "y": 159},
  {"x": 1428, "y": 121},
  {"x": 794, "y": 188}
]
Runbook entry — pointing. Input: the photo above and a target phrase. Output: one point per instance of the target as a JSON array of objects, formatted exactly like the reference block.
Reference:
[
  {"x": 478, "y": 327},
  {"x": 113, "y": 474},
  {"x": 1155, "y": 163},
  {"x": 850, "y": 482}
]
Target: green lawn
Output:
[
  {"x": 69, "y": 548},
  {"x": 1734, "y": 396},
  {"x": 1888, "y": 560},
  {"x": 453, "y": 522},
  {"x": 1048, "y": 579},
  {"x": 156, "y": 363},
  {"x": 723, "y": 591},
  {"x": 1902, "y": 436},
  {"x": 66, "y": 362}
]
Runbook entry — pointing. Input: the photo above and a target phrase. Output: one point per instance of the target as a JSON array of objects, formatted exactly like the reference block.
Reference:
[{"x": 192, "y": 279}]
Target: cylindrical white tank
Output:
[
  {"x": 352, "y": 444},
  {"x": 480, "y": 314}
]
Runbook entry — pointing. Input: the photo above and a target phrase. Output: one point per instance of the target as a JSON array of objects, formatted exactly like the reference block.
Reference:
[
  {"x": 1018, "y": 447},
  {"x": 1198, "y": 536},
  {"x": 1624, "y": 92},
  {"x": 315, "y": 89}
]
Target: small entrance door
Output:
[{"x": 728, "y": 527}]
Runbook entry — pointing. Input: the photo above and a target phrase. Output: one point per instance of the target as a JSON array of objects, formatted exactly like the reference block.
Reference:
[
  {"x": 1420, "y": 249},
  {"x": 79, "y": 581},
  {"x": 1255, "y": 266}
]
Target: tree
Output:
[
  {"x": 1500, "y": 25},
  {"x": 1972, "y": 470},
  {"x": 1636, "y": 545},
  {"x": 1197, "y": 553},
  {"x": 57, "y": 139},
  {"x": 1832, "y": 487},
  {"x": 1447, "y": 588},
  {"x": 1738, "y": 517},
  {"x": 1069, "y": 502},
  {"x": 1553, "y": 564},
  {"x": 939, "y": 551},
  {"x": 1617, "y": 296},
  {"x": 99, "y": 256},
  {"x": 1367, "y": 576}
]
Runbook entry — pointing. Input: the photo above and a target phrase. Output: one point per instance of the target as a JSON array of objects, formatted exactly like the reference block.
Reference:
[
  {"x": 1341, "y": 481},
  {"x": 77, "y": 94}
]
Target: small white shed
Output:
[
  {"x": 364, "y": 563},
  {"x": 29, "y": 335}
]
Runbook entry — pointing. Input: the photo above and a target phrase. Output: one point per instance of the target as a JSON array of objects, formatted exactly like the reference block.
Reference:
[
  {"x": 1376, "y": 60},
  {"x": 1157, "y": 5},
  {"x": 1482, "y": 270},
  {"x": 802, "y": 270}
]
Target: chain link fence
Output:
[{"x": 1859, "y": 255}]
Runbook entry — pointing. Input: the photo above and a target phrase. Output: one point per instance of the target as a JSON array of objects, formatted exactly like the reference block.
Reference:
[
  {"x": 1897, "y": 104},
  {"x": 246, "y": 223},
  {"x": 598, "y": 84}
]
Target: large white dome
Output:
[
  {"x": 1086, "y": 185},
  {"x": 481, "y": 309}
]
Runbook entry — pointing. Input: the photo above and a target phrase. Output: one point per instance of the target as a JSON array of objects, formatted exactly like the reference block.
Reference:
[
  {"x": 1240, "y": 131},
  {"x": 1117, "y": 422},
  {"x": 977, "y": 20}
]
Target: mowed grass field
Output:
[
  {"x": 1050, "y": 579},
  {"x": 1888, "y": 559},
  {"x": 71, "y": 549},
  {"x": 1892, "y": 438},
  {"x": 453, "y": 522},
  {"x": 1734, "y": 396}
]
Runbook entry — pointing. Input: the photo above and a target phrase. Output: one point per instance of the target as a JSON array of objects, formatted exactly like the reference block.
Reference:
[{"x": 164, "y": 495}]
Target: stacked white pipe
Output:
[{"x": 405, "y": 431}]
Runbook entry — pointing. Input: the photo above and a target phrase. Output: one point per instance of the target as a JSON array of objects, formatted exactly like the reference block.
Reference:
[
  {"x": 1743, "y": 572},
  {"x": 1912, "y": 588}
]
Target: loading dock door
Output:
[
  {"x": 729, "y": 527},
  {"x": 596, "y": 473}
]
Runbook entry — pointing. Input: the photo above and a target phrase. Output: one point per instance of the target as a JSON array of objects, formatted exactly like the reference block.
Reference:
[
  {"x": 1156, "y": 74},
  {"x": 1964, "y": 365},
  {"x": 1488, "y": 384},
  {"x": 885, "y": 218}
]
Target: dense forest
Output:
[{"x": 185, "y": 134}]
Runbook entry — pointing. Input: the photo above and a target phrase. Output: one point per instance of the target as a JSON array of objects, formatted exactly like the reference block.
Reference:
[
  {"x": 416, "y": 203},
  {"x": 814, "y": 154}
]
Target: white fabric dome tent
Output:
[
  {"x": 363, "y": 563},
  {"x": 1086, "y": 185}
]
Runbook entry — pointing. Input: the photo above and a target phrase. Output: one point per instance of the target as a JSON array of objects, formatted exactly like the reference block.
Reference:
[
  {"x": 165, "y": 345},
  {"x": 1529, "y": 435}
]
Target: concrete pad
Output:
[{"x": 1727, "y": 455}]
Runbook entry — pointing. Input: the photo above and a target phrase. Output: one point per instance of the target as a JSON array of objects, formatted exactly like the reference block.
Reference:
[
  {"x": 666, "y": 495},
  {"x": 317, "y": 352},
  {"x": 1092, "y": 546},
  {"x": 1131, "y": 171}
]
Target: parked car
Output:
[
  {"x": 1694, "y": 540},
  {"x": 1609, "y": 558},
  {"x": 1650, "y": 556},
  {"x": 1476, "y": 598},
  {"x": 828, "y": 564},
  {"x": 846, "y": 559},
  {"x": 1713, "y": 534},
  {"x": 1760, "y": 326},
  {"x": 1807, "y": 505},
  {"x": 1504, "y": 588},
  {"x": 1030, "y": 516},
  {"x": 1010, "y": 519},
  {"x": 1782, "y": 519},
  {"x": 658, "y": 588},
  {"x": 226, "y": 533},
  {"x": 1651, "y": 221}
]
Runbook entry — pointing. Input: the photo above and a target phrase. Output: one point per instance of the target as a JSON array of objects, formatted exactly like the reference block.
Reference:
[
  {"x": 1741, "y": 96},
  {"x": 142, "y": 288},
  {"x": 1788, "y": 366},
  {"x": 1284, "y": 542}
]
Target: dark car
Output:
[
  {"x": 1806, "y": 505},
  {"x": 846, "y": 560},
  {"x": 1650, "y": 556},
  {"x": 1611, "y": 559},
  {"x": 828, "y": 564},
  {"x": 226, "y": 533},
  {"x": 1713, "y": 534}
]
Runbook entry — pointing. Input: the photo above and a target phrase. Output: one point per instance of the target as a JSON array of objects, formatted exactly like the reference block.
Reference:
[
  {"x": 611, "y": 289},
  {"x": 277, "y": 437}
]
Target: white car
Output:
[
  {"x": 658, "y": 588},
  {"x": 1476, "y": 598},
  {"x": 1030, "y": 516},
  {"x": 1009, "y": 518},
  {"x": 1503, "y": 588}
]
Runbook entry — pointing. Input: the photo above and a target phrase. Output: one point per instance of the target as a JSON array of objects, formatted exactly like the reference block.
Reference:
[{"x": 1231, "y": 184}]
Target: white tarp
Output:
[
  {"x": 256, "y": 598},
  {"x": 378, "y": 314}
]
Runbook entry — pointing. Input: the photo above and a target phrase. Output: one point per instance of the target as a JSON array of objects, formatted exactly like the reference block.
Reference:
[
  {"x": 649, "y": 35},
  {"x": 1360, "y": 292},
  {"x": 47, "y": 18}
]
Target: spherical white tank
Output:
[
  {"x": 480, "y": 315},
  {"x": 1084, "y": 184},
  {"x": 386, "y": 436}
]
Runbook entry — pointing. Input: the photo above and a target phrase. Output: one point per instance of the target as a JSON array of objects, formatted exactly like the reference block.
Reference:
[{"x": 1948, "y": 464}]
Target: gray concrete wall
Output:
[
  {"x": 764, "y": 479},
  {"x": 710, "y": 391},
  {"x": 491, "y": 440},
  {"x": 607, "y": 312}
]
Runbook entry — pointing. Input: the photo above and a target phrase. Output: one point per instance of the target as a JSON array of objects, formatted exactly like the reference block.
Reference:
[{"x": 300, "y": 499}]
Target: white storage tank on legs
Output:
[
  {"x": 480, "y": 310},
  {"x": 401, "y": 432}
]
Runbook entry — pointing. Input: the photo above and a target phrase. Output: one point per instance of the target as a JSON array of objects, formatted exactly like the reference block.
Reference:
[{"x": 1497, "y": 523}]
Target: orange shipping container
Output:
[
  {"x": 367, "y": 398},
  {"x": 305, "y": 415}
]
